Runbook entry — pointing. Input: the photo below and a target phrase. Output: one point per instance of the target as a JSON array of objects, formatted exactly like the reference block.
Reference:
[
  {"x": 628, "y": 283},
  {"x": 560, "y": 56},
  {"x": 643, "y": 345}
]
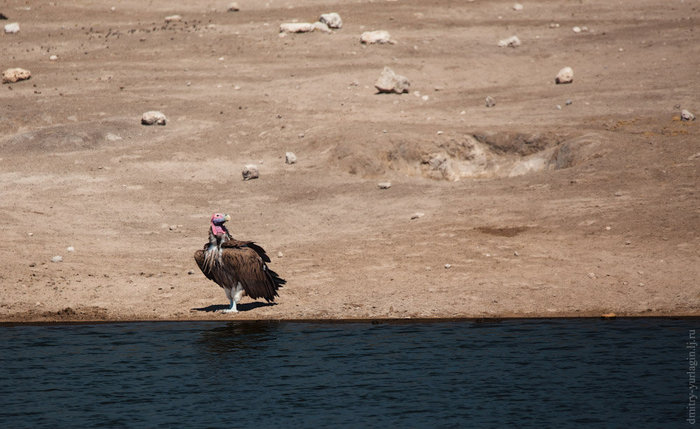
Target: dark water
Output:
[{"x": 516, "y": 373}]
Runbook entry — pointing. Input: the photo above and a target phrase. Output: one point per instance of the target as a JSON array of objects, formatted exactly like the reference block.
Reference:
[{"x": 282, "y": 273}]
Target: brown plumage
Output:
[{"x": 239, "y": 267}]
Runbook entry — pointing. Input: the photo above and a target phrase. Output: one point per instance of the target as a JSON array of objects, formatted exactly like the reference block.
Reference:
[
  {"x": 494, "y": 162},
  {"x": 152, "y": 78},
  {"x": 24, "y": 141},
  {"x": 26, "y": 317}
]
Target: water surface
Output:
[{"x": 520, "y": 373}]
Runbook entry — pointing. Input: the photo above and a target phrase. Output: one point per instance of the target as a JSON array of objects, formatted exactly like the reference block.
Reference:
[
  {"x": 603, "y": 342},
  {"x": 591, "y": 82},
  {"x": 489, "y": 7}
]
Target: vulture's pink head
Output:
[{"x": 217, "y": 223}]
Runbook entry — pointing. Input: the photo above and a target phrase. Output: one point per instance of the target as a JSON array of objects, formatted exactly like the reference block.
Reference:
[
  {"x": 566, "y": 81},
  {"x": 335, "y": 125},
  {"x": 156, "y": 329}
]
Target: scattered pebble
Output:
[
  {"x": 553, "y": 25},
  {"x": 576, "y": 29},
  {"x": 233, "y": 7},
  {"x": 384, "y": 185},
  {"x": 290, "y": 158},
  {"x": 332, "y": 20},
  {"x": 70, "y": 249},
  {"x": 607, "y": 228},
  {"x": 517, "y": 7},
  {"x": 389, "y": 82},
  {"x": 687, "y": 116},
  {"x": 173, "y": 18},
  {"x": 250, "y": 171},
  {"x": 568, "y": 102},
  {"x": 591, "y": 275},
  {"x": 565, "y": 75},
  {"x": 57, "y": 258},
  {"x": 30, "y": 234},
  {"x": 440, "y": 133},
  {"x": 190, "y": 272},
  {"x": 12, "y": 28},
  {"x": 417, "y": 215},
  {"x": 490, "y": 102},
  {"x": 53, "y": 58},
  {"x": 280, "y": 254},
  {"x": 448, "y": 266},
  {"x": 172, "y": 227},
  {"x": 15, "y": 75},
  {"x": 378, "y": 36},
  {"x": 153, "y": 117},
  {"x": 511, "y": 42}
]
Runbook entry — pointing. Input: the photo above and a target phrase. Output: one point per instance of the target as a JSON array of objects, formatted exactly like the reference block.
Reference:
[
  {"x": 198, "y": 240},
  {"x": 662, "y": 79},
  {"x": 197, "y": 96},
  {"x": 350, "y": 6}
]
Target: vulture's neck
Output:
[{"x": 218, "y": 235}]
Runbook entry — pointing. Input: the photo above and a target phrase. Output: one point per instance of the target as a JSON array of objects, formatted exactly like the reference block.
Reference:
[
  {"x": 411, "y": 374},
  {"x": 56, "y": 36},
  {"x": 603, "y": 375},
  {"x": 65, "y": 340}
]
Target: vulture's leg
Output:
[
  {"x": 234, "y": 297},
  {"x": 232, "y": 306}
]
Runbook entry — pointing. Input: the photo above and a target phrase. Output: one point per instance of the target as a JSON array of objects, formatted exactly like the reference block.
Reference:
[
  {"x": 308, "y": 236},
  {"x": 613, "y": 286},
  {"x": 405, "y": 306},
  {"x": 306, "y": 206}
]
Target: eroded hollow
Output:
[{"x": 475, "y": 155}]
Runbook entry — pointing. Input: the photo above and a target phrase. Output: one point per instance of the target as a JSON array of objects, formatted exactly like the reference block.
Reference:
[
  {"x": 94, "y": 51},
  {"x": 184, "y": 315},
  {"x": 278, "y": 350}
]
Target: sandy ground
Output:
[{"x": 578, "y": 210}]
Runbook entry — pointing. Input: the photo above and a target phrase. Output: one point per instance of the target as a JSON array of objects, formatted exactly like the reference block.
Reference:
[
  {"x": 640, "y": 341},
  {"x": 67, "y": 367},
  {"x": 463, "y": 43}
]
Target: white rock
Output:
[
  {"x": 378, "y": 36},
  {"x": 384, "y": 185},
  {"x": 233, "y": 7},
  {"x": 53, "y": 58},
  {"x": 57, "y": 258},
  {"x": 280, "y": 254},
  {"x": 303, "y": 27},
  {"x": 15, "y": 75},
  {"x": 389, "y": 81},
  {"x": 687, "y": 116},
  {"x": 153, "y": 117},
  {"x": 70, "y": 249},
  {"x": 417, "y": 215},
  {"x": 511, "y": 42},
  {"x": 517, "y": 6},
  {"x": 565, "y": 75},
  {"x": 448, "y": 266},
  {"x": 490, "y": 102},
  {"x": 12, "y": 28},
  {"x": 250, "y": 171},
  {"x": 290, "y": 158},
  {"x": 332, "y": 20},
  {"x": 173, "y": 18},
  {"x": 576, "y": 29}
]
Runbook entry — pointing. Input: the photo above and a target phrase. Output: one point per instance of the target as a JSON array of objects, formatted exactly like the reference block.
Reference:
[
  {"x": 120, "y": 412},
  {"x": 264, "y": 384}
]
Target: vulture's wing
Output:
[
  {"x": 199, "y": 258},
  {"x": 248, "y": 266},
  {"x": 239, "y": 243}
]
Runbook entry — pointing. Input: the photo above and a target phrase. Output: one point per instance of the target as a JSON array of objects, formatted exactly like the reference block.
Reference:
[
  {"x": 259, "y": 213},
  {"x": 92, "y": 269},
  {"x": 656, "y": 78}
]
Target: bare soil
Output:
[{"x": 522, "y": 209}]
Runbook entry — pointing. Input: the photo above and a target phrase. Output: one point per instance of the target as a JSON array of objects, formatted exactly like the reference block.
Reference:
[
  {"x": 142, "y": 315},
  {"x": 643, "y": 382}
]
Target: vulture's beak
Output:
[{"x": 227, "y": 218}]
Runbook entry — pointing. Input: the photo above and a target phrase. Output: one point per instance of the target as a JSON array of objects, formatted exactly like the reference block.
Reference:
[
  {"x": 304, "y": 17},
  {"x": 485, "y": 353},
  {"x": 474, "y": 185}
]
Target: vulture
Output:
[{"x": 237, "y": 266}]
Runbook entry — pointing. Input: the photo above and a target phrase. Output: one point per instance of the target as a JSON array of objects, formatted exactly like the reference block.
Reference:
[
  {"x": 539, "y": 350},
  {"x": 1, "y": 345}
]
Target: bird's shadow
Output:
[{"x": 240, "y": 307}]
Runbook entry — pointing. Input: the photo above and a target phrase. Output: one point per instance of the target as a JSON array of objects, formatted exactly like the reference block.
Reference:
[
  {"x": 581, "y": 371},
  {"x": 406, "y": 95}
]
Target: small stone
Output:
[
  {"x": 70, "y": 249},
  {"x": 417, "y": 215},
  {"x": 558, "y": 106},
  {"x": 628, "y": 242},
  {"x": 511, "y": 42},
  {"x": 250, "y": 171},
  {"x": 30, "y": 234},
  {"x": 53, "y": 58},
  {"x": 15, "y": 75},
  {"x": 439, "y": 133},
  {"x": 32, "y": 265},
  {"x": 12, "y": 28},
  {"x": 607, "y": 228},
  {"x": 389, "y": 82},
  {"x": 553, "y": 25},
  {"x": 378, "y": 36},
  {"x": 153, "y": 117},
  {"x": 190, "y": 272},
  {"x": 687, "y": 116},
  {"x": 290, "y": 158},
  {"x": 233, "y": 7},
  {"x": 280, "y": 254},
  {"x": 448, "y": 266},
  {"x": 576, "y": 29},
  {"x": 57, "y": 258},
  {"x": 517, "y": 7},
  {"x": 425, "y": 97},
  {"x": 565, "y": 75},
  {"x": 172, "y": 227},
  {"x": 516, "y": 253},
  {"x": 490, "y": 102},
  {"x": 332, "y": 20},
  {"x": 568, "y": 102},
  {"x": 173, "y": 18},
  {"x": 384, "y": 185},
  {"x": 591, "y": 275}
]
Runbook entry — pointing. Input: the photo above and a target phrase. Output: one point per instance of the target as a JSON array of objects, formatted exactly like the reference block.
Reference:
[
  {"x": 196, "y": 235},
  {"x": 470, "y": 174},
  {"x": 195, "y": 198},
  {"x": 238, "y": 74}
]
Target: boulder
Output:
[
  {"x": 389, "y": 82},
  {"x": 290, "y": 158},
  {"x": 12, "y": 28},
  {"x": 303, "y": 27},
  {"x": 332, "y": 20},
  {"x": 250, "y": 171},
  {"x": 686, "y": 115},
  {"x": 379, "y": 36},
  {"x": 511, "y": 42},
  {"x": 153, "y": 117},
  {"x": 565, "y": 75},
  {"x": 15, "y": 75}
]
